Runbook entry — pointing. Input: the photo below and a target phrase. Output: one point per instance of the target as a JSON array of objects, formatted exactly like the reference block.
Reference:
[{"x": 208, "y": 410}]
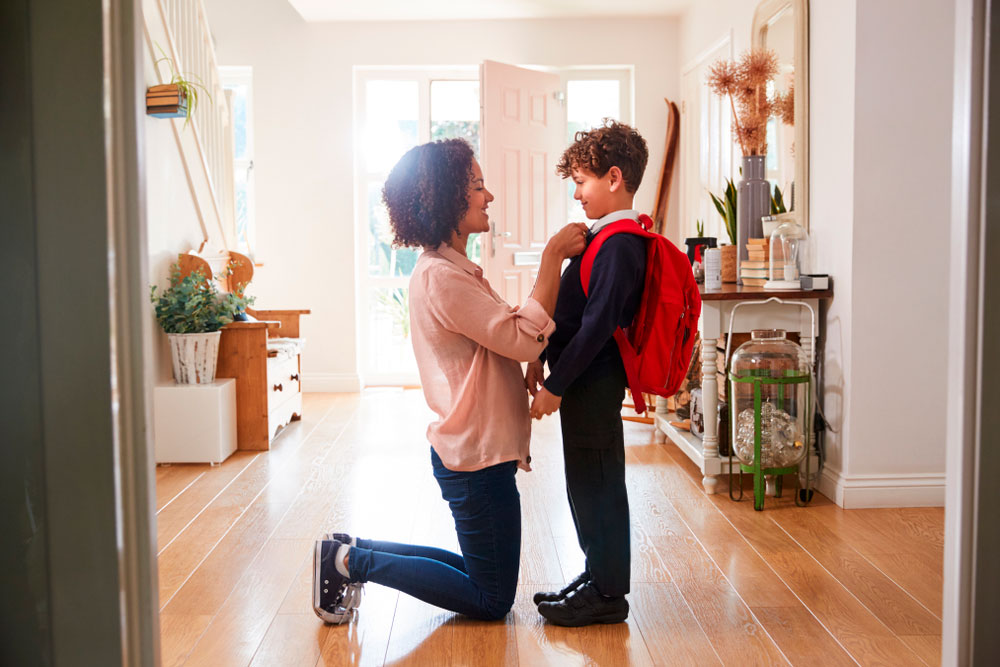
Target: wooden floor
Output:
[{"x": 713, "y": 581}]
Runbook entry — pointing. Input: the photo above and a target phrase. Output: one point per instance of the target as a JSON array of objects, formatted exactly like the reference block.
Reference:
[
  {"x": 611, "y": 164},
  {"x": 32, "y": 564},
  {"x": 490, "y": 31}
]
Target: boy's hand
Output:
[
  {"x": 568, "y": 241},
  {"x": 534, "y": 375},
  {"x": 544, "y": 403}
]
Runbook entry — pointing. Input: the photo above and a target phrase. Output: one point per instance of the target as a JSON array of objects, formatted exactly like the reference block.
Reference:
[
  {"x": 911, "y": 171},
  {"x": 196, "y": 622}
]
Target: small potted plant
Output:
[
  {"x": 696, "y": 245},
  {"x": 176, "y": 99},
  {"x": 726, "y": 206},
  {"x": 191, "y": 312}
]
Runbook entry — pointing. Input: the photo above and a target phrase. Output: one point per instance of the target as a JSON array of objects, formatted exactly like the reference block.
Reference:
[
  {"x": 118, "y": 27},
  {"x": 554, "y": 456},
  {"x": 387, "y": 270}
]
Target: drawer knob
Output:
[
  {"x": 295, "y": 377},
  {"x": 278, "y": 387}
]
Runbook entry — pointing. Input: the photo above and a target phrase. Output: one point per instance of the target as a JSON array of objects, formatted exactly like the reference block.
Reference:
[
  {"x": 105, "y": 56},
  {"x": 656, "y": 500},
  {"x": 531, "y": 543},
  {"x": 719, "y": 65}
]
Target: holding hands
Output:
[{"x": 544, "y": 402}]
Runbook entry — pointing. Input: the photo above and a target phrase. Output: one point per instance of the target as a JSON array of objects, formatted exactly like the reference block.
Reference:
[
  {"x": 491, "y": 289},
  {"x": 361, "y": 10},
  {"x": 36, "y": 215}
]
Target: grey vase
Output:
[{"x": 753, "y": 201}]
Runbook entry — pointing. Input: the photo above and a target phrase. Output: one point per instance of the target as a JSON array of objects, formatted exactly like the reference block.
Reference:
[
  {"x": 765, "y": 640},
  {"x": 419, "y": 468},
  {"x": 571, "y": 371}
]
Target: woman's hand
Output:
[
  {"x": 544, "y": 403},
  {"x": 568, "y": 241},
  {"x": 534, "y": 375}
]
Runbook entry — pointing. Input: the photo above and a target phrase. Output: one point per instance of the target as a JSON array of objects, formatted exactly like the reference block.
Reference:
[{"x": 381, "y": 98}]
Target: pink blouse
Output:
[{"x": 468, "y": 342}]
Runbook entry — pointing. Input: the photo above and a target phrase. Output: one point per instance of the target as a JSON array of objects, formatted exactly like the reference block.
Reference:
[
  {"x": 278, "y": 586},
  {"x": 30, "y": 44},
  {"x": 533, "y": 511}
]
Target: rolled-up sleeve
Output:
[{"x": 464, "y": 307}]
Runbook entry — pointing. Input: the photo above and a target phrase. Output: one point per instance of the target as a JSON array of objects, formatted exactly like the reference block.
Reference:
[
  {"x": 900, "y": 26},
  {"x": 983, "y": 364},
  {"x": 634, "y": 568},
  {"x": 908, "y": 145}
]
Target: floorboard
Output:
[{"x": 713, "y": 581}]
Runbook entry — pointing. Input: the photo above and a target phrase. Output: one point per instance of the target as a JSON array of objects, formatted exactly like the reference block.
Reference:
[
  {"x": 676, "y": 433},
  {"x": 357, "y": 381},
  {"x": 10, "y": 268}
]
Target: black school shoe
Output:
[
  {"x": 585, "y": 606},
  {"x": 553, "y": 596}
]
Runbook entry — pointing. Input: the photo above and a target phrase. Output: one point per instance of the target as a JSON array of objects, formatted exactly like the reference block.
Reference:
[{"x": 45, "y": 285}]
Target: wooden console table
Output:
[{"x": 716, "y": 311}]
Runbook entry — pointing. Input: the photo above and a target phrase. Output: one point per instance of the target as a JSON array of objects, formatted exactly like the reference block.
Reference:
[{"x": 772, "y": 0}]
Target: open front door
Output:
[{"x": 523, "y": 131}]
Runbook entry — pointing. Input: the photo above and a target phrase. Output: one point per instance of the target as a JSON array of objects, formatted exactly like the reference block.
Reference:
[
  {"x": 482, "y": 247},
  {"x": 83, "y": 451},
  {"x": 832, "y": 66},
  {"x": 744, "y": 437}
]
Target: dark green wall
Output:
[{"x": 59, "y": 555}]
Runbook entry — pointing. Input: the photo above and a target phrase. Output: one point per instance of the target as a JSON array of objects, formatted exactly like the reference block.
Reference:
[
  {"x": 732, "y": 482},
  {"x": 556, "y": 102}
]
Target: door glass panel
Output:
[
  {"x": 242, "y": 207},
  {"x": 391, "y": 111},
  {"x": 384, "y": 260},
  {"x": 390, "y": 350},
  {"x": 239, "y": 99},
  {"x": 455, "y": 111},
  {"x": 455, "y": 114},
  {"x": 588, "y": 103}
]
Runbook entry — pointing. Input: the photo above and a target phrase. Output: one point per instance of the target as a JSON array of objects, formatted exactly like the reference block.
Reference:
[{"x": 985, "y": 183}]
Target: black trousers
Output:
[{"x": 594, "y": 452}]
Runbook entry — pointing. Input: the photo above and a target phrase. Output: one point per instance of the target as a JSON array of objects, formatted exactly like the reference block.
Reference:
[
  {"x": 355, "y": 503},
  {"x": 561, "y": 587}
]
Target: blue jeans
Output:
[{"x": 482, "y": 581}]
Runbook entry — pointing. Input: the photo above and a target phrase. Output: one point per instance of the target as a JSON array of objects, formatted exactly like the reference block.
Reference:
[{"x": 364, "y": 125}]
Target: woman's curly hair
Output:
[
  {"x": 427, "y": 192},
  {"x": 613, "y": 144}
]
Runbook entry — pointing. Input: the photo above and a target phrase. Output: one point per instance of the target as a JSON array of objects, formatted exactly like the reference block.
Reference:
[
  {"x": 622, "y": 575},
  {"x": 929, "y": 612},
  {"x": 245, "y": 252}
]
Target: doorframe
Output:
[
  {"x": 128, "y": 269},
  {"x": 970, "y": 608},
  {"x": 78, "y": 468}
]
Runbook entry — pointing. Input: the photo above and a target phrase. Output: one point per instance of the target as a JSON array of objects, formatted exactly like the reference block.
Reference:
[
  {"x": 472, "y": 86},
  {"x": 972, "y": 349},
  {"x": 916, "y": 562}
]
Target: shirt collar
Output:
[
  {"x": 457, "y": 258},
  {"x": 601, "y": 223}
]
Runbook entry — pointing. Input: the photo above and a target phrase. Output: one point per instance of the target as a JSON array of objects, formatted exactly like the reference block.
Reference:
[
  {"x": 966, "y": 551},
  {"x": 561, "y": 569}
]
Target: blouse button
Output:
[{"x": 540, "y": 338}]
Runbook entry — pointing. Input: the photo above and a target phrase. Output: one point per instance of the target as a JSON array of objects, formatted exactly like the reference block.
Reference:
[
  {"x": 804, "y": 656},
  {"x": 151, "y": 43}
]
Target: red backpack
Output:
[{"x": 656, "y": 347}]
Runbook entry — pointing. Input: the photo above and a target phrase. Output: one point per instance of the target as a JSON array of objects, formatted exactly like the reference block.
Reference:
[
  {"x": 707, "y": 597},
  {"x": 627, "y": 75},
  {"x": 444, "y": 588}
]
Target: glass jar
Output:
[
  {"x": 787, "y": 246},
  {"x": 771, "y": 397}
]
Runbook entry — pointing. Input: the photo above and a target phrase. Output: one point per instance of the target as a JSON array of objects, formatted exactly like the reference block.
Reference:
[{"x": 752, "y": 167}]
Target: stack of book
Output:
[
  {"x": 755, "y": 269},
  {"x": 166, "y": 101}
]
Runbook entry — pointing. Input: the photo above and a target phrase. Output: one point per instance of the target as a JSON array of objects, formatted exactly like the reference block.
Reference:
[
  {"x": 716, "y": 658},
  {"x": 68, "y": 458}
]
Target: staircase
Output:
[{"x": 178, "y": 30}]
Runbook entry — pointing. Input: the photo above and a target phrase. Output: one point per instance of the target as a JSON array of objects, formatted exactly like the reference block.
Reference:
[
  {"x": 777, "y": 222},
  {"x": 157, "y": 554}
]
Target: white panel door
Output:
[{"x": 523, "y": 132}]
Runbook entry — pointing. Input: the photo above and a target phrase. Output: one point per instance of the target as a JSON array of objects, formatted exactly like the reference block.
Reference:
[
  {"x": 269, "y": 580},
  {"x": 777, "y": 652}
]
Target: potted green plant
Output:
[
  {"x": 176, "y": 99},
  {"x": 726, "y": 206},
  {"x": 192, "y": 312}
]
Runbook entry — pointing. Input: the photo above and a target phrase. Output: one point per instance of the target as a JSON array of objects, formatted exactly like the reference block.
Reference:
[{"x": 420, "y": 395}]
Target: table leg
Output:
[
  {"x": 659, "y": 437},
  {"x": 710, "y": 396}
]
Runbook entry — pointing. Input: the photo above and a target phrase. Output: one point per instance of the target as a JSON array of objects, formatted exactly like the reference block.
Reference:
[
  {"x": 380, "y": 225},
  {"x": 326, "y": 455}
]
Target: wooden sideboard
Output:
[
  {"x": 268, "y": 389},
  {"x": 757, "y": 312}
]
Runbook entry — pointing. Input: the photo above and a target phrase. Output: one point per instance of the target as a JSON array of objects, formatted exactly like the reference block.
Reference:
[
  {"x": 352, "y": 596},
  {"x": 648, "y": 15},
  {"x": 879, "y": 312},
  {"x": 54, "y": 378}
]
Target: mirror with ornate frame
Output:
[{"x": 783, "y": 26}]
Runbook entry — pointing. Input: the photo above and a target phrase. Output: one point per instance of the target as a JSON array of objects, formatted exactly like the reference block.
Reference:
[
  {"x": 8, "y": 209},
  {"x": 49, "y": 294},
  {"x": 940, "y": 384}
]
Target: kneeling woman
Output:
[{"x": 468, "y": 344}]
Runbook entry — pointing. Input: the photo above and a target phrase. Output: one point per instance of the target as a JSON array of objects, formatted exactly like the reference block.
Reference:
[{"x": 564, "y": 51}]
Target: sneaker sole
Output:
[{"x": 578, "y": 623}]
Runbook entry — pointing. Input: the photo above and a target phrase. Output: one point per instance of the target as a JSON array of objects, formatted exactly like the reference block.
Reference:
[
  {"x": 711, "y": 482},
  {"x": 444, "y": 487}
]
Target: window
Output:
[
  {"x": 592, "y": 96},
  {"x": 238, "y": 84},
  {"x": 396, "y": 110}
]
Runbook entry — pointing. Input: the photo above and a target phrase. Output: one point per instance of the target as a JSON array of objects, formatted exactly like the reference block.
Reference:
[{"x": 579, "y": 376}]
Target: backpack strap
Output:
[{"x": 624, "y": 226}]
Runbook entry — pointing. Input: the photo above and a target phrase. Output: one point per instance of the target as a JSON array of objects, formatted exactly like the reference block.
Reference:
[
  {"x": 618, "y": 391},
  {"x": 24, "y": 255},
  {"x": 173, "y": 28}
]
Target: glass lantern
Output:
[
  {"x": 788, "y": 254},
  {"x": 771, "y": 393}
]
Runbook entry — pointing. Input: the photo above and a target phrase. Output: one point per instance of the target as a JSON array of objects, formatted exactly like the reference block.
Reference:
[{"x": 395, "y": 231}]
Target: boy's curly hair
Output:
[
  {"x": 613, "y": 144},
  {"x": 427, "y": 192}
]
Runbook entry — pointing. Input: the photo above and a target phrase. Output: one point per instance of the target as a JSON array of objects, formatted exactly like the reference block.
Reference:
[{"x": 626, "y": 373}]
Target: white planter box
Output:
[{"x": 195, "y": 423}]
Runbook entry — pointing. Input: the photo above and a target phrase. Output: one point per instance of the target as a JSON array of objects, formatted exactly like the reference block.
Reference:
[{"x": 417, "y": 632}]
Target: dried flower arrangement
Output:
[
  {"x": 785, "y": 105},
  {"x": 744, "y": 82}
]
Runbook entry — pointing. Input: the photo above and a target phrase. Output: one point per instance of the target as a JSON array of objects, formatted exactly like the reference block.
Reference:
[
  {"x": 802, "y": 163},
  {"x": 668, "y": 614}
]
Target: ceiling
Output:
[{"x": 437, "y": 10}]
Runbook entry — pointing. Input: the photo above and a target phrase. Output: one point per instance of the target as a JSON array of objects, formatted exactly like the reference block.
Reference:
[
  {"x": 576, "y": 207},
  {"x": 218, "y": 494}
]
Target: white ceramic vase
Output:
[{"x": 194, "y": 357}]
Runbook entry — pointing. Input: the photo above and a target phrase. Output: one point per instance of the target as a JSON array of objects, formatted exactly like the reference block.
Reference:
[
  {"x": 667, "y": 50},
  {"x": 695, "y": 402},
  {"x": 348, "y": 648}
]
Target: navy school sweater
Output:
[{"x": 585, "y": 327}]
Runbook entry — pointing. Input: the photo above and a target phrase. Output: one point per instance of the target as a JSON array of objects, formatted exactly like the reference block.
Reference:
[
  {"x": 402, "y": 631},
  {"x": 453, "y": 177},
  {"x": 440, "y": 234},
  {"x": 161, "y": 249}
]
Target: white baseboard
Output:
[
  {"x": 902, "y": 490},
  {"x": 337, "y": 383}
]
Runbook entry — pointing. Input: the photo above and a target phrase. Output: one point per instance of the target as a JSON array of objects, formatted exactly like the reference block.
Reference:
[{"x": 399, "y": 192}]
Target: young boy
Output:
[{"x": 586, "y": 381}]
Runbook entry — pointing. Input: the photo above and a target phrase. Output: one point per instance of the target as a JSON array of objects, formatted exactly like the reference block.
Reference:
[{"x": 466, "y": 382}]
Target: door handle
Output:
[{"x": 495, "y": 234}]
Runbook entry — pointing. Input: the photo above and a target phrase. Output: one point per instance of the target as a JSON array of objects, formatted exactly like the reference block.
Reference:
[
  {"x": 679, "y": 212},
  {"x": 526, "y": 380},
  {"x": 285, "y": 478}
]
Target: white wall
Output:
[
  {"x": 831, "y": 208},
  {"x": 902, "y": 185},
  {"x": 171, "y": 220},
  {"x": 880, "y": 117},
  {"x": 303, "y": 76}
]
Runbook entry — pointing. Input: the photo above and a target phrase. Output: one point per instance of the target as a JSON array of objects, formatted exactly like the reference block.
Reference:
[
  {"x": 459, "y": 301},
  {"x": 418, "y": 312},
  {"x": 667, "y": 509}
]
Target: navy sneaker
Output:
[{"x": 335, "y": 598}]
